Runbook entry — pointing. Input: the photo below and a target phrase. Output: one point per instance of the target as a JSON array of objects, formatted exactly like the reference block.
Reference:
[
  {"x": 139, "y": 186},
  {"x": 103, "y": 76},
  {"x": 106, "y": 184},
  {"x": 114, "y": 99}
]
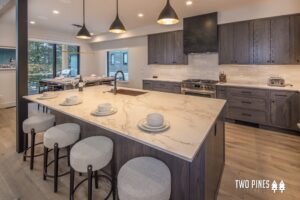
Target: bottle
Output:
[{"x": 80, "y": 84}]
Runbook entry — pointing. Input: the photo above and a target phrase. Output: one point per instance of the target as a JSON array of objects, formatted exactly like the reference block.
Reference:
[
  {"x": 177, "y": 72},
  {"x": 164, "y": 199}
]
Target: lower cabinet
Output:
[
  {"x": 275, "y": 108},
  {"x": 162, "y": 86}
]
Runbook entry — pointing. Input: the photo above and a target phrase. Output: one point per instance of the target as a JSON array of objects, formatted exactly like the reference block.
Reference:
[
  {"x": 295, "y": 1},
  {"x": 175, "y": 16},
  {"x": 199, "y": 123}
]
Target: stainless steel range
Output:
[{"x": 198, "y": 87}]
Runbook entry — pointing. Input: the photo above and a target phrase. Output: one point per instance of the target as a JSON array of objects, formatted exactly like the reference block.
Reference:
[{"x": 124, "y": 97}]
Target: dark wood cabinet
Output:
[
  {"x": 166, "y": 48},
  {"x": 236, "y": 43},
  {"x": 284, "y": 109},
  {"x": 295, "y": 39},
  {"x": 273, "y": 40},
  {"x": 162, "y": 86},
  {"x": 261, "y": 41},
  {"x": 280, "y": 38}
]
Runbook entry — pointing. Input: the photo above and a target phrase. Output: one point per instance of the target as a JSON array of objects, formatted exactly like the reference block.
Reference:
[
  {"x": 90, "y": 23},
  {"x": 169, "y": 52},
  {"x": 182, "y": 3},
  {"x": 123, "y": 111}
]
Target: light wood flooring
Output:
[{"x": 250, "y": 154}]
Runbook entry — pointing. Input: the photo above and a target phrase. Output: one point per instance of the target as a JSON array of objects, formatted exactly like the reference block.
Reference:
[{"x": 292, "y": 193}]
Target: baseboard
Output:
[{"x": 7, "y": 104}]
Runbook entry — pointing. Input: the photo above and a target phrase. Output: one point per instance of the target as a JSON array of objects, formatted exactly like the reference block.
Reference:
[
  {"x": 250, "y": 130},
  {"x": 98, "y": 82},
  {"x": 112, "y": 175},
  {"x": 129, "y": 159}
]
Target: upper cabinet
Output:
[
  {"x": 236, "y": 43},
  {"x": 166, "y": 49},
  {"x": 295, "y": 39},
  {"x": 201, "y": 33},
  {"x": 264, "y": 41}
]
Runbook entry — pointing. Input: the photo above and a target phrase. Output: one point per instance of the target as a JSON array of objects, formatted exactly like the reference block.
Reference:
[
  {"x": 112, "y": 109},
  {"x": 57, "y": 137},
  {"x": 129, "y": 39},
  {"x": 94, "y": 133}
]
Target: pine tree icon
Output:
[
  {"x": 274, "y": 186},
  {"x": 281, "y": 186}
]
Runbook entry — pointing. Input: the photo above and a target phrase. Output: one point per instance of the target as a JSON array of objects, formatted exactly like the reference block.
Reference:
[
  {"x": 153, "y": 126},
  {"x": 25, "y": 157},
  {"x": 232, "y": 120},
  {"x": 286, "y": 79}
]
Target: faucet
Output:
[{"x": 115, "y": 80}]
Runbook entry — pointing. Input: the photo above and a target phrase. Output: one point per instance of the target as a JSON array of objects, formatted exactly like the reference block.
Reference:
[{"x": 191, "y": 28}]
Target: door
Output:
[
  {"x": 295, "y": 39},
  {"x": 243, "y": 42},
  {"x": 280, "y": 40},
  {"x": 226, "y": 44},
  {"x": 284, "y": 109},
  {"x": 262, "y": 41}
]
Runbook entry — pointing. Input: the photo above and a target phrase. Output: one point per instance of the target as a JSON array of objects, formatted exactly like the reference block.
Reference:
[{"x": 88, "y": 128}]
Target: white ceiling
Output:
[{"x": 101, "y": 13}]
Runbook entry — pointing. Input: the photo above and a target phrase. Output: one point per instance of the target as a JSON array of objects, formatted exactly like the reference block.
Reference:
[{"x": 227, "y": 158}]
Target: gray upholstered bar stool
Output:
[
  {"x": 33, "y": 125},
  {"x": 56, "y": 138},
  {"x": 144, "y": 178},
  {"x": 91, "y": 155}
]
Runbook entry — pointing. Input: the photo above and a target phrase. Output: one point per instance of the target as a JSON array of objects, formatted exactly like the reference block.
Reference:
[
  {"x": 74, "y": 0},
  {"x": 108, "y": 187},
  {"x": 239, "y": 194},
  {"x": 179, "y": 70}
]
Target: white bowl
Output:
[
  {"x": 155, "y": 119},
  {"x": 71, "y": 99},
  {"x": 47, "y": 94},
  {"x": 105, "y": 107}
]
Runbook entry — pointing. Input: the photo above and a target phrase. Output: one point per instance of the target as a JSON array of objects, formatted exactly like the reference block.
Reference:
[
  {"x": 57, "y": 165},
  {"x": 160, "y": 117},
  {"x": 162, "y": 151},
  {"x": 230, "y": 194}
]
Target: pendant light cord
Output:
[
  {"x": 83, "y": 12},
  {"x": 117, "y": 7}
]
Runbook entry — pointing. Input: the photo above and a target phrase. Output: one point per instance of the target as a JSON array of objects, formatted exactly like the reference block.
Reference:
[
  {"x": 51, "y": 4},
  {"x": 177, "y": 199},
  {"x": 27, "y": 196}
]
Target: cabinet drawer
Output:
[
  {"x": 221, "y": 92},
  {"x": 247, "y": 103},
  {"x": 254, "y": 116},
  {"x": 247, "y": 92},
  {"x": 147, "y": 85},
  {"x": 282, "y": 94}
]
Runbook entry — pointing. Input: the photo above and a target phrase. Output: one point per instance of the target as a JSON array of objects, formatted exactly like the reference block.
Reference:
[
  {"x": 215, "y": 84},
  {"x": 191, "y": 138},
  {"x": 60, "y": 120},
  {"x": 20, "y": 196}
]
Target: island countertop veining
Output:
[{"x": 191, "y": 118}]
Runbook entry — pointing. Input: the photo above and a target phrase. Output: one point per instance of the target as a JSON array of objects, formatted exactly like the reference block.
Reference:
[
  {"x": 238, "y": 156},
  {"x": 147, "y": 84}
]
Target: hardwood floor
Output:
[{"x": 250, "y": 154}]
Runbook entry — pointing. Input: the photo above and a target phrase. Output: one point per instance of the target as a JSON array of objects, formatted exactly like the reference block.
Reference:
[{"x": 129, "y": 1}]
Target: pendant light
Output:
[
  {"x": 83, "y": 33},
  {"x": 168, "y": 15},
  {"x": 117, "y": 26}
]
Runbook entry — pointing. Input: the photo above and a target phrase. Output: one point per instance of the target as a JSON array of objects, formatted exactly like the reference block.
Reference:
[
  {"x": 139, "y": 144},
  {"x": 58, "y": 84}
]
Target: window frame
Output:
[{"x": 108, "y": 60}]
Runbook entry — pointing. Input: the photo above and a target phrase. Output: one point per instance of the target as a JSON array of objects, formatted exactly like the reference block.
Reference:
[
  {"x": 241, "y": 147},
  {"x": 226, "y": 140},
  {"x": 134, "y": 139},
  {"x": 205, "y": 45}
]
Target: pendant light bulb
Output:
[
  {"x": 168, "y": 15},
  {"x": 84, "y": 33},
  {"x": 117, "y": 26}
]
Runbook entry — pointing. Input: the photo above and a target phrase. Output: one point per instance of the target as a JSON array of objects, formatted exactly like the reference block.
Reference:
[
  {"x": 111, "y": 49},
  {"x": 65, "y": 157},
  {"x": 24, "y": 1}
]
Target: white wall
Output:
[{"x": 204, "y": 66}]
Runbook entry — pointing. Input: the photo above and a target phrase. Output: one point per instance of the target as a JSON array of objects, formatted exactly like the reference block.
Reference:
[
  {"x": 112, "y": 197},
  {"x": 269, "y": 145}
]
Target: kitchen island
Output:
[{"x": 192, "y": 148}]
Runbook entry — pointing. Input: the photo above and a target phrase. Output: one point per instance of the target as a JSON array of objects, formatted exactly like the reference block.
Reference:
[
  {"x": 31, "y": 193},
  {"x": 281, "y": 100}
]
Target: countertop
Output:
[
  {"x": 190, "y": 117},
  {"x": 262, "y": 86}
]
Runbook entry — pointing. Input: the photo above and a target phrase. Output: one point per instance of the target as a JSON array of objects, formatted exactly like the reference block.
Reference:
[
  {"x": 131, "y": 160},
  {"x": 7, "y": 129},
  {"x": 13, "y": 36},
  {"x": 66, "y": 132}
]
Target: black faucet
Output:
[{"x": 115, "y": 80}]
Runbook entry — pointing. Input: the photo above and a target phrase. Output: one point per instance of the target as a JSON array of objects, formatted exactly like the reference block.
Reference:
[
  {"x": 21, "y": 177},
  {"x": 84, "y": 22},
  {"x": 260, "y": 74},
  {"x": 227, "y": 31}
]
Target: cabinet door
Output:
[
  {"x": 156, "y": 49},
  {"x": 243, "y": 42},
  {"x": 284, "y": 109},
  {"x": 262, "y": 40},
  {"x": 295, "y": 39},
  {"x": 280, "y": 40},
  {"x": 178, "y": 55},
  {"x": 226, "y": 44}
]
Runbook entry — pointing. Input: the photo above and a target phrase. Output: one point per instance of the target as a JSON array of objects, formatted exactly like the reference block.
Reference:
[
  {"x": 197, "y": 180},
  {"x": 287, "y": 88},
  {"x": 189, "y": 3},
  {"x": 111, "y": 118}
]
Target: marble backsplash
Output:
[{"x": 205, "y": 66}]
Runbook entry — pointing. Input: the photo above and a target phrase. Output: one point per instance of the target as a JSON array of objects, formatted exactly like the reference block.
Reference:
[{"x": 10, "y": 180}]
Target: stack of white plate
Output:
[
  {"x": 71, "y": 101},
  {"x": 104, "y": 110},
  {"x": 154, "y": 122}
]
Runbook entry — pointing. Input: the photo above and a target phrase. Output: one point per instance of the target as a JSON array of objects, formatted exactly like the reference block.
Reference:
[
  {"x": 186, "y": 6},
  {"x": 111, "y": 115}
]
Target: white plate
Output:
[
  {"x": 97, "y": 113},
  {"x": 47, "y": 97},
  {"x": 71, "y": 104},
  {"x": 146, "y": 125},
  {"x": 153, "y": 130}
]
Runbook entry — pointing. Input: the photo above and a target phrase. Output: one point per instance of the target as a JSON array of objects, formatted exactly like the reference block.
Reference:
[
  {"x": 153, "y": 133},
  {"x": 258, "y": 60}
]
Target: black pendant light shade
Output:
[
  {"x": 83, "y": 33},
  {"x": 117, "y": 26},
  {"x": 168, "y": 15}
]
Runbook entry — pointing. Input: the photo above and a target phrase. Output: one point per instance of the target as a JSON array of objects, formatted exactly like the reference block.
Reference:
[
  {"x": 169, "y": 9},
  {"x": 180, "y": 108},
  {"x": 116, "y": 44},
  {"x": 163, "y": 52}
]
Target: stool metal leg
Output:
[
  {"x": 68, "y": 152},
  {"x": 90, "y": 182},
  {"x": 56, "y": 155},
  {"x": 32, "y": 148},
  {"x": 45, "y": 162},
  {"x": 25, "y": 146},
  {"x": 113, "y": 178},
  {"x": 72, "y": 177},
  {"x": 96, "y": 179}
]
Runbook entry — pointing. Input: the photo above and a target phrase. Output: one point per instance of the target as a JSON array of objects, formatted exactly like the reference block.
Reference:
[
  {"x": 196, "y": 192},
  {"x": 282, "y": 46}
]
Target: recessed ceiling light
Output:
[
  {"x": 56, "y": 12},
  {"x": 32, "y": 22},
  {"x": 188, "y": 3},
  {"x": 140, "y": 15}
]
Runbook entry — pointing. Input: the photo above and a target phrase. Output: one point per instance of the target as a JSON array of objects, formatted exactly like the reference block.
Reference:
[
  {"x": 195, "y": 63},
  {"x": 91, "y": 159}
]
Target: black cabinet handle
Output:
[
  {"x": 246, "y": 114},
  {"x": 273, "y": 61},
  {"x": 246, "y": 92},
  {"x": 280, "y": 95},
  {"x": 268, "y": 61},
  {"x": 246, "y": 102},
  {"x": 298, "y": 61}
]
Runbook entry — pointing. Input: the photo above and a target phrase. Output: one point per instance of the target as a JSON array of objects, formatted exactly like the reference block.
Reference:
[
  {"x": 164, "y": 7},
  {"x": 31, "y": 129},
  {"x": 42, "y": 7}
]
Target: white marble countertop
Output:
[
  {"x": 190, "y": 117},
  {"x": 262, "y": 86}
]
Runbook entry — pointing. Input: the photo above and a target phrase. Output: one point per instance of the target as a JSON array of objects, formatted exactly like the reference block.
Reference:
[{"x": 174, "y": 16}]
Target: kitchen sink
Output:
[{"x": 129, "y": 92}]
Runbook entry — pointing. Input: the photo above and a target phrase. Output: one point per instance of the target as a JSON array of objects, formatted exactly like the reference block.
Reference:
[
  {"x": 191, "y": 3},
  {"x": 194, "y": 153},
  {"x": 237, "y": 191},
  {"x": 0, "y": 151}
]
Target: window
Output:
[
  {"x": 7, "y": 57},
  {"x": 47, "y": 60},
  {"x": 117, "y": 60}
]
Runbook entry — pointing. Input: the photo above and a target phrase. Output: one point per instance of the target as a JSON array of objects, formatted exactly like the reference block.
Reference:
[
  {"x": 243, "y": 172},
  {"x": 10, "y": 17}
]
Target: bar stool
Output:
[
  {"x": 33, "y": 125},
  {"x": 144, "y": 178},
  {"x": 58, "y": 137},
  {"x": 89, "y": 156}
]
